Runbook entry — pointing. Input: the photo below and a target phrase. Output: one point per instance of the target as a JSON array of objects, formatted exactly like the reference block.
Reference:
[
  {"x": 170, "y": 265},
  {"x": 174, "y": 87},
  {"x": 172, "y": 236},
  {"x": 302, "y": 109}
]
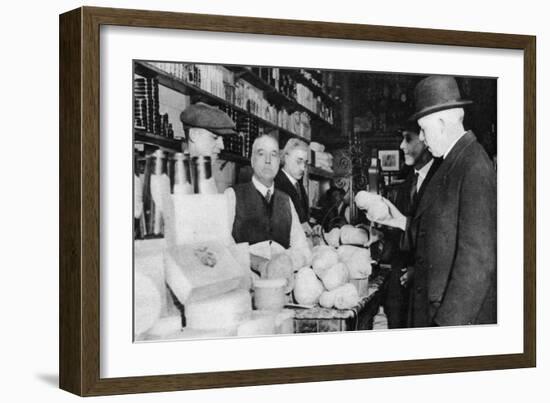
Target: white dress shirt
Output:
[
  {"x": 260, "y": 187},
  {"x": 290, "y": 178},
  {"x": 422, "y": 172},
  {"x": 297, "y": 234}
]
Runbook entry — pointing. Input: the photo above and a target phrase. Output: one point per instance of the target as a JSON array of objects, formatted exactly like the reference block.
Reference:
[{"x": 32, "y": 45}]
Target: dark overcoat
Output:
[{"x": 454, "y": 235}]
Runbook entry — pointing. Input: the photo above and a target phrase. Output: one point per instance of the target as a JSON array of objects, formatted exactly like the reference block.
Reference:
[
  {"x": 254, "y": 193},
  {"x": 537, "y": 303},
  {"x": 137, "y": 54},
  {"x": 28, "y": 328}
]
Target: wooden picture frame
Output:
[
  {"x": 389, "y": 160},
  {"x": 80, "y": 199}
]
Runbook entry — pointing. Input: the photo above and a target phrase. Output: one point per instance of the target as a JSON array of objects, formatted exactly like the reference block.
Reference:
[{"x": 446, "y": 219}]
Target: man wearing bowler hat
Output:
[{"x": 453, "y": 230}]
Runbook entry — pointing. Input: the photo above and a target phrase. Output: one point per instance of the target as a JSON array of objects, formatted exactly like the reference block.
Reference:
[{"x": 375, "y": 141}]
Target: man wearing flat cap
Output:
[
  {"x": 205, "y": 127},
  {"x": 453, "y": 230}
]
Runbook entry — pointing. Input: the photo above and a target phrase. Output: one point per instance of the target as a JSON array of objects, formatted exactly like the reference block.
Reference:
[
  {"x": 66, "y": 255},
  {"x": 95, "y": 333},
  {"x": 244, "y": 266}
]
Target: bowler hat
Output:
[
  {"x": 436, "y": 93},
  {"x": 207, "y": 117}
]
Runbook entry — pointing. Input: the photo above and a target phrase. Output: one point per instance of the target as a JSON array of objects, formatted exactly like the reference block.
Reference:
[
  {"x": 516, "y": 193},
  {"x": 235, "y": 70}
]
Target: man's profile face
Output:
[
  {"x": 295, "y": 163},
  {"x": 412, "y": 147},
  {"x": 204, "y": 142},
  {"x": 432, "y": 133},
  {"x": 265, "y": 160}
]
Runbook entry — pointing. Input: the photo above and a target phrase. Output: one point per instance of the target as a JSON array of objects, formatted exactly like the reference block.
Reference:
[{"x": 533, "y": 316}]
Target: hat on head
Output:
[
  {"x": 436, "y": 93},
  {"x": 208, "y": 117},
  {"x": 410, "y": 126}
]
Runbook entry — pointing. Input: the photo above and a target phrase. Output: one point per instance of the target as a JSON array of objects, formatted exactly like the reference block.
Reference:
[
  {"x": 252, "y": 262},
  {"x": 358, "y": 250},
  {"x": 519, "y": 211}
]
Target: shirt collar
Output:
[
  {"x": 260, "y": 187},
  {"x": 424, "y": 170},
  {"x": 452, "y": 145},
  {"x": 290, "y": 177}
]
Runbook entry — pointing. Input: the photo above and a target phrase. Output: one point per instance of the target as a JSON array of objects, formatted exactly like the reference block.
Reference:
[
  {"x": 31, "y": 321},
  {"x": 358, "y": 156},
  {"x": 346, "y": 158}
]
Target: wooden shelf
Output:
[
  {"x": 317, "y": 91},
  {"x": 276, "y": 97},
  {"x": 147, "y": 70},
  {"x": 228, "y": 156},
  {"x": 142, "y": 136}
]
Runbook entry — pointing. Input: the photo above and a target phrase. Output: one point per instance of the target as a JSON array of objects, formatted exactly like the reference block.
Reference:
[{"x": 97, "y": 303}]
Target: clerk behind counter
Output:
[
  {"x": 204, "y": 126},
  {"x": 289, "y": 178},
  {"x": 257, "y": 210}
]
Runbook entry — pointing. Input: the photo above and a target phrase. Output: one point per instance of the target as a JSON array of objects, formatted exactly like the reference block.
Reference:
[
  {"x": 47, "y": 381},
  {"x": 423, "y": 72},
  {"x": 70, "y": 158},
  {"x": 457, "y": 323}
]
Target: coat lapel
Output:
[
  {"x": 433, "y": 169},
  {"x": 439, "y": 179},
  {"x": 287, "y": 186}
]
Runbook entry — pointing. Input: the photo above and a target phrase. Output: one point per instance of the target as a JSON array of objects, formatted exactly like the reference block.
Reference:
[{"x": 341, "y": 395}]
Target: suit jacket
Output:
[
  {"x": 334, "y": 217},
  {"x": 454, "y": 235},
  {"x": 283, "y": 184}
]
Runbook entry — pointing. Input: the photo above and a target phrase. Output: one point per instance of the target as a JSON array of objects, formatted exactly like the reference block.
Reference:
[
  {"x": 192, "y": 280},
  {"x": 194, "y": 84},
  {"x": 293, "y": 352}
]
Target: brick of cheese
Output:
[
  {"x": 219, "y": 312},
  {"x": 192, "y": 278}
]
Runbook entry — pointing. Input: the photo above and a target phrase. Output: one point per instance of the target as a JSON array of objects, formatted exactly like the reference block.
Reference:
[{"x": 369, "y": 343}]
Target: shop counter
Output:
[{"x": 360, "y": 317}]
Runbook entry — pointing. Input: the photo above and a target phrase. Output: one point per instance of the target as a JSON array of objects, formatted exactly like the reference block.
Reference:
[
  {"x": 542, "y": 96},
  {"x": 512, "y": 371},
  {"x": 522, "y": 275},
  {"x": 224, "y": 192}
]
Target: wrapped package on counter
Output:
[{"x": 202, "y": 270}]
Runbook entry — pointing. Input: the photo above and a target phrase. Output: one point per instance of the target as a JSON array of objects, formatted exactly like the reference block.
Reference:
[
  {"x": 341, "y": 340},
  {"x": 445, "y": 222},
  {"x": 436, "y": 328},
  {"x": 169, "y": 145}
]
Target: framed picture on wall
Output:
[{"x": 389, "y": 160}]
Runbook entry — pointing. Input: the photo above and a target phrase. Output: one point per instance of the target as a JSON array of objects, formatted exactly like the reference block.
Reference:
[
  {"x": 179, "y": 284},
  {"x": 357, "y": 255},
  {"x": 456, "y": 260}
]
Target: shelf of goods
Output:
[
  {"x": 197, "y": 94},
  {"x": 301, "y": 77},
  {"x": 276, "y": 97},
  {"x": 175, "y": 145}
]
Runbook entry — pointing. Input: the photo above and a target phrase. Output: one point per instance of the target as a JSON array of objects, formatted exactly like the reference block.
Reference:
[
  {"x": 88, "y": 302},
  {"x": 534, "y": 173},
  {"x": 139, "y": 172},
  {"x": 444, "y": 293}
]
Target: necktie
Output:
[
  {"x": 268, "y": 196},
  {"x": 299, "y": 192},
  {"x": 413, "y": 189}
]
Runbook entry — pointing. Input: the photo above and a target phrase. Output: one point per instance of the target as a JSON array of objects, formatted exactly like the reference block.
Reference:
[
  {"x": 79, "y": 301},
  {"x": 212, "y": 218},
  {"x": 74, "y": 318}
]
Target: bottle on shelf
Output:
[
  {"x": 181, "y": 174},
  {"x": 203, "y": 182},
  {"x": 156, "y": 185},
  {"x": 374, "y": 173}
]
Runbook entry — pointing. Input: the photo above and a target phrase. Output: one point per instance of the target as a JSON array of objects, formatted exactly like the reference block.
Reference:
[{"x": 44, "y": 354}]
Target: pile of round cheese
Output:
[
  {"x": 347, "y": 235},
  {"x": 327, "y": 280}
]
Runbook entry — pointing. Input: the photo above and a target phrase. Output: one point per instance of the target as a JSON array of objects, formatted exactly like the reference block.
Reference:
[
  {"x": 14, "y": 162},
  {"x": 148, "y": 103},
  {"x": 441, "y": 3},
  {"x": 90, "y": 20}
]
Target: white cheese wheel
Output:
[
  {"x": 307, "y": 287},
  {"x": 165, "y": 328},
  {"x": 350, "y": 235},
  {"x": 336, "y": 276},
  {"x": 346, "y": 296},
  {"x": 373, "y": 204},
  {"x": 323, "y": 260},
  {"x": 333, "y": 237},
  {"x": 270, "y": 294},
  {"x": 327, "y": 299},
  {"x": 223, "y": 311},
  {"x": 261, "y": 323},
  {"x": 147, "y": 303}
]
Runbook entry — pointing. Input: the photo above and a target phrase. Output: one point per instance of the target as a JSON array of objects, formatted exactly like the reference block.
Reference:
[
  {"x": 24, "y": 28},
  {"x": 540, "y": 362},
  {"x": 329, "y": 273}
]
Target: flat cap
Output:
[{"x": 208, "y": 117}]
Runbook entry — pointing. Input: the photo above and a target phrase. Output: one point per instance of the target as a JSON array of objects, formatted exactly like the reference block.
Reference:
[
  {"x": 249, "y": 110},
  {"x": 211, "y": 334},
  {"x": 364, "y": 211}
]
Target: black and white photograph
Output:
[
  {"x": 389, "y": 160},
  {"x": 273, "y": 201}
]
